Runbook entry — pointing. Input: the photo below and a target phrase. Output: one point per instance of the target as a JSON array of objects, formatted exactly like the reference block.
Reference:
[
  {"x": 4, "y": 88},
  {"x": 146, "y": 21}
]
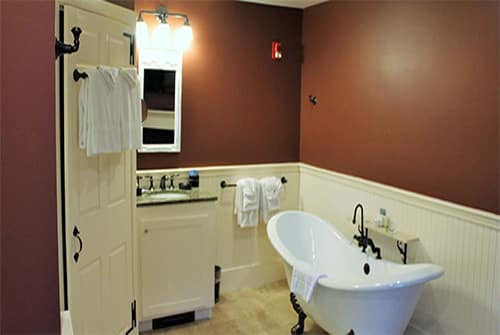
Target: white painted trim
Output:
[
  {"x": 103, "y": 8},
  {"x": 223, "y": 170},
  {"x": 468, "y": 214},
  {"x": 251, "y": 275},
  {"x": 301, "y": 4}
]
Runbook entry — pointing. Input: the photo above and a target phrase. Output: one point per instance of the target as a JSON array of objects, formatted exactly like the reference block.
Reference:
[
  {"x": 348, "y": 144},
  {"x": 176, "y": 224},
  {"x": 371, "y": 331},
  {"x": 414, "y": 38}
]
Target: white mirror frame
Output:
[{"x": 164, "y": 59}]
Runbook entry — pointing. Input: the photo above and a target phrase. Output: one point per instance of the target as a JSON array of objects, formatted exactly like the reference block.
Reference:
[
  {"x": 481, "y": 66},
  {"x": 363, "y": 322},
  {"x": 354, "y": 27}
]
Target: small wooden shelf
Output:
[
  {"x": 402, "y": 239},
  {"x": 396, "y": 236}
]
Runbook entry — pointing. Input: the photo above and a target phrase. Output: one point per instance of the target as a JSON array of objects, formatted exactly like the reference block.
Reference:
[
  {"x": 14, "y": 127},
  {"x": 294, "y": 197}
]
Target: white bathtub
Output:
[{"x": 379, "y": 303}]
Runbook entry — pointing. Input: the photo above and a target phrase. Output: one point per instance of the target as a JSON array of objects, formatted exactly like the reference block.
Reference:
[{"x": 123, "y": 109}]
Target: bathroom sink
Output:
[{"x": 168, "y": 196}]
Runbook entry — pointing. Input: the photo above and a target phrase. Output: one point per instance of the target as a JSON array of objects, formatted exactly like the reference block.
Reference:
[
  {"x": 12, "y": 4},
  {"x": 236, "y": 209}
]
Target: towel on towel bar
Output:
[
  {"x": 99, "y": 120},
  {"x": 247, "y": 202},
  {"x": 110, "y": 111},
  {"x": 304, "y": 280},
  {"x": 271, "y": 188},
  {"x": 130, "y": 97}
]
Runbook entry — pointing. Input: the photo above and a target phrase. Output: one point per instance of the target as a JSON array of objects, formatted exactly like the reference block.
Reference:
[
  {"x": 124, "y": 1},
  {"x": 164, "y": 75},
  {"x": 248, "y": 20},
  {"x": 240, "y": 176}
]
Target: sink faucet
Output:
[
  {"x": 171, "y": 186},
  {"x": 363, "y": 240},
  {"x": 151, "y": 183},
  {"x": 163, "y": 182}
]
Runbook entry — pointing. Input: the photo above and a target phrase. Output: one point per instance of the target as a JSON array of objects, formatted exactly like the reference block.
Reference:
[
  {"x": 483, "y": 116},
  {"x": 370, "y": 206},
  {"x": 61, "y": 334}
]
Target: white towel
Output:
[
  {"x": 247, "y": 202},
  {"x": 99, "y": 118},
  {"x": 130, "y": 97},
  {"x": 304, "y": 280},
  {"x": 271, "y": 188}
]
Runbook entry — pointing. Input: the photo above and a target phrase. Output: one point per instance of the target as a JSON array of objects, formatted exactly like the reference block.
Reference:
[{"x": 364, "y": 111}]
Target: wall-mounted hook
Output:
[
  {"x": 62, "y": 48},
  {"x": 313, "y": 99}
]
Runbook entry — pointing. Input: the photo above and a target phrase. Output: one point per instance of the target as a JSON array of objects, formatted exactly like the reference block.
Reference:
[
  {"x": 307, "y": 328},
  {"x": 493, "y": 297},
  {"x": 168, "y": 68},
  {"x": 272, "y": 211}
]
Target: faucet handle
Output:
[
  {"x": 171, "y": 186},
  {"x": 163, "y": 182},
  {"x": 151, "y": 182}
]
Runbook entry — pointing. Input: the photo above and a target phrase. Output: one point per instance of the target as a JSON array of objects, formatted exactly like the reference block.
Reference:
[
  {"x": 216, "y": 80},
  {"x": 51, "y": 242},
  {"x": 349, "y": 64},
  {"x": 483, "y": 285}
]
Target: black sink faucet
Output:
[{"x": 363, "y": 240}]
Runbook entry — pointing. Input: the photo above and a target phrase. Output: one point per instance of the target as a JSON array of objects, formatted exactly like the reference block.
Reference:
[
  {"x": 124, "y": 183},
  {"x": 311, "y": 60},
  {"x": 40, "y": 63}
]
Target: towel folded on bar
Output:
[
  {"x": 270, "y": 188},
  {"x": 247, "y": 202}
]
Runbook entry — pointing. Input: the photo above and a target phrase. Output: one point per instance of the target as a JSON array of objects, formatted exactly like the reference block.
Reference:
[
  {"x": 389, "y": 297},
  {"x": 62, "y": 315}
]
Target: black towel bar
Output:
[
  {"x": 77, "y": 75},
  {"x": 224, "y": 184}
]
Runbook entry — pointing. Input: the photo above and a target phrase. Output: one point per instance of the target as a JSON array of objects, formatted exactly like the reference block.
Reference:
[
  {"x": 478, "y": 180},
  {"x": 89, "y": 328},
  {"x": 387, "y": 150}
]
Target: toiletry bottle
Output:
[{"x": 381, "y": 219}]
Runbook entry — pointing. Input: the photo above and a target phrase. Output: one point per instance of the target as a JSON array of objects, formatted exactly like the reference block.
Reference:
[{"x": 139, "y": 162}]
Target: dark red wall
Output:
[
  {"x": 407, "y": 95},
  {"x": 238, "y": 105},
  {"x": 29, "y": 283},
  {"x": 123, "y": 3}
]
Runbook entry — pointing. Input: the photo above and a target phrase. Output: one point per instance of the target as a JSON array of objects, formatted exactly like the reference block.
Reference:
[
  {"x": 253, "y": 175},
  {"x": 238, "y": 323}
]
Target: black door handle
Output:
[{"x": 76, "y": 234}]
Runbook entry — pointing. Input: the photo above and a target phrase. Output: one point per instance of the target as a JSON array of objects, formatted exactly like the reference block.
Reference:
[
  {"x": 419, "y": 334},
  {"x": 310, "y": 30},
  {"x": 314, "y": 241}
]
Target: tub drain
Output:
[{"x": 366, "y": 268}]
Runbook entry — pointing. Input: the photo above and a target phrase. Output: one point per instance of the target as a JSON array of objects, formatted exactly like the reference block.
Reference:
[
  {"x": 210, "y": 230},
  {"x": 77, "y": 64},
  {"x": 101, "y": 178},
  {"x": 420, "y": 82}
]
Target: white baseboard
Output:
[{"x": 251, "y": 275}]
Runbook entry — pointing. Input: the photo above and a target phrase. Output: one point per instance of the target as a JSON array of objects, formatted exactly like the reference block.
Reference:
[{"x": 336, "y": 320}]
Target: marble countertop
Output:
[{"x": 173, "y": 197}]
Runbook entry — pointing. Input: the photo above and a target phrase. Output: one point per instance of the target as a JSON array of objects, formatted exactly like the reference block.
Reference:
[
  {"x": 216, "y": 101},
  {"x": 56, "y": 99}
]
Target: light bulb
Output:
[
  {"x": 161, "y": 36},
  {"x": 141, "y": 33},
  {"x": 184, "y": 37}
]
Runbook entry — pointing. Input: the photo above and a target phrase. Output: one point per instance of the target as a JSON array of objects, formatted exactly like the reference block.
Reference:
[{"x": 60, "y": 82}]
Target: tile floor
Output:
[{"x": 262, "y": 311}]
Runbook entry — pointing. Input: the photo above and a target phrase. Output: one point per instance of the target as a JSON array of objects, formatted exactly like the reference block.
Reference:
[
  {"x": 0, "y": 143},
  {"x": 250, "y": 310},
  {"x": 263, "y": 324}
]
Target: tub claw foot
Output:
[{"x": 298, "y": 329}]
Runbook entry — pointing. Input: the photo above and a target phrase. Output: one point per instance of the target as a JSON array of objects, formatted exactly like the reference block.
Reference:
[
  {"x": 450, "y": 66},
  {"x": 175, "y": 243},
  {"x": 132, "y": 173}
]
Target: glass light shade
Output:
[
  {"x": 141, "y": 33},
  {"x": 184, "y": 37},
  {"x": 161, "y": 36}
]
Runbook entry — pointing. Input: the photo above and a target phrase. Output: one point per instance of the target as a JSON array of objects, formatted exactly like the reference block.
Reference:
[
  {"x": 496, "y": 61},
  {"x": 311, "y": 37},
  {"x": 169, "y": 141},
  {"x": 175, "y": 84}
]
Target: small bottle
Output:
[{"x": 381, "y": 219}]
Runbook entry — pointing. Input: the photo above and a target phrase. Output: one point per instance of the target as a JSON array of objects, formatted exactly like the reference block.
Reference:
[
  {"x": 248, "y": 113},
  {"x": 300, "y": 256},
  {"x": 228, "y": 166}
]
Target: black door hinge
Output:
[{"x": 133, "y": 310}]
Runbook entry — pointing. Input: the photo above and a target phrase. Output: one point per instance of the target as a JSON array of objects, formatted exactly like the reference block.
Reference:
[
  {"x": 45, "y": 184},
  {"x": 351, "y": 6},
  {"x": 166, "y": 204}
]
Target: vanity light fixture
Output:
[
  {"x": 141, "y": 32},
  {"x": 161, "y": 37}
]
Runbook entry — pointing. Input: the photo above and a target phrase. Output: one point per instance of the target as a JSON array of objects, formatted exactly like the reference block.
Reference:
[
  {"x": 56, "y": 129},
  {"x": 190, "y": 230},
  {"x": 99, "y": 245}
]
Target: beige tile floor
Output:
[{"x": 262, "y": 311}]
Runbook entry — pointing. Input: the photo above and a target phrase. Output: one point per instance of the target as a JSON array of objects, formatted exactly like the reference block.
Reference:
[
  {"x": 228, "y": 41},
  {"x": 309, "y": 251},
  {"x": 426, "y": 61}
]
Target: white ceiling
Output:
[{"x": 288, "y": 3}]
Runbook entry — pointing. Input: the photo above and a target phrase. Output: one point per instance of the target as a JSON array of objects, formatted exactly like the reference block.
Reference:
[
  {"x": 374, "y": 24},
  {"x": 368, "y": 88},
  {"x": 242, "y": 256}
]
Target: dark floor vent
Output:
[{"x": 173, "y": 320}]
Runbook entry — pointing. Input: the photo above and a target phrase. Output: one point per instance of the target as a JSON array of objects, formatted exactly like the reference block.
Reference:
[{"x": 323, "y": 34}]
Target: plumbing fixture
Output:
[
  {"x": 151, "y": 183},
  {"x": 163, "y": 183},
  {"x": 363, "y": 240},
  {"x": 171, "y": 178}
]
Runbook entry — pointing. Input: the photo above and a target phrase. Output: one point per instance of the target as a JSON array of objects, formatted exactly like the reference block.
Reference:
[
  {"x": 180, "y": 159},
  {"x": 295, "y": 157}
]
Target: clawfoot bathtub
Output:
[{"x": 348, "y": 301}]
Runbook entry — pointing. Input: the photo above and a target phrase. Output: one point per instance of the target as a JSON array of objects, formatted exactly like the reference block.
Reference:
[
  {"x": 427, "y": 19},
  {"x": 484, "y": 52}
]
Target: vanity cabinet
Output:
[{"x": 177, "y": 258}]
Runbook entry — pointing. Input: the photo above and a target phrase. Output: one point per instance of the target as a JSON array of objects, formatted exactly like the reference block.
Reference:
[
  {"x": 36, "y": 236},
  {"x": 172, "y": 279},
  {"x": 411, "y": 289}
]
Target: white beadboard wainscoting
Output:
[
  {"x": 465, "y": 241},
  {"x": 245, "y": 255}
]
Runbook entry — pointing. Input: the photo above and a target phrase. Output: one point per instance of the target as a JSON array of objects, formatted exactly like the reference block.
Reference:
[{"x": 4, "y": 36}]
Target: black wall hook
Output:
[
  {"x": 62, "y": 48},
  {"x": 313, "y": 99},
  {"x": 77, "y": 75}
]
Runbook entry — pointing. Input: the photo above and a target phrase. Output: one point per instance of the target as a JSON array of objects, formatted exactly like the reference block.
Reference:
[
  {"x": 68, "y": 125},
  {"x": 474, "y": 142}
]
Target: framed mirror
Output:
[{"x": 160, "y": 73}]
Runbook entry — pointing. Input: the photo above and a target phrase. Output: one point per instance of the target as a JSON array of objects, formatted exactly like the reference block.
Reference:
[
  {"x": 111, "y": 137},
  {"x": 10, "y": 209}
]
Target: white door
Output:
[{"x": 98, "y": 192}]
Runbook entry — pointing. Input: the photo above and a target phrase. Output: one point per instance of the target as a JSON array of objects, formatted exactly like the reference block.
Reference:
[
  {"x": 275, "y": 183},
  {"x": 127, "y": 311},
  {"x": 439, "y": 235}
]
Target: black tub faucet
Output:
[
  {"x": 361, "y": 228},
  {"x": 363, "y": 240}
]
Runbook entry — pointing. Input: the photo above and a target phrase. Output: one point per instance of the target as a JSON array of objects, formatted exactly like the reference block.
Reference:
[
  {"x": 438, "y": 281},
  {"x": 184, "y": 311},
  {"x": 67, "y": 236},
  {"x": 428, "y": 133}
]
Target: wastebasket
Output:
[{"x": 217, "y": 283}]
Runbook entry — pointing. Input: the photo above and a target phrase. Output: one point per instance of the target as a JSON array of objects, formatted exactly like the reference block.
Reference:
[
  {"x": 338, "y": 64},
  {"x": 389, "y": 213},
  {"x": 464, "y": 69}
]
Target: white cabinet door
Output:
[
  {"x": 178, "y": 258},
  {"x": 99, "y": 192}
]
